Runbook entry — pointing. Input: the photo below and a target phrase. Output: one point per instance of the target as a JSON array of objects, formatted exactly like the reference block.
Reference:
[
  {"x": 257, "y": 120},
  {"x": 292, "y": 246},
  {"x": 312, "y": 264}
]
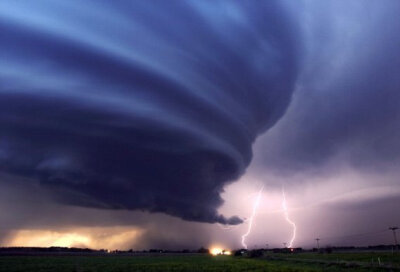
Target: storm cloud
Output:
[
  {"x": 346, "y": 106},
  {"x": 336, "y": 149},
  {"x": 138, "y": 105}
]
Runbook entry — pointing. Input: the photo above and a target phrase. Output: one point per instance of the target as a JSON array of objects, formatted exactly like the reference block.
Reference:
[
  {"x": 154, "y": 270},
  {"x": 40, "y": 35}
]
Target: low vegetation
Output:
[{"x": 199, "y": 262}]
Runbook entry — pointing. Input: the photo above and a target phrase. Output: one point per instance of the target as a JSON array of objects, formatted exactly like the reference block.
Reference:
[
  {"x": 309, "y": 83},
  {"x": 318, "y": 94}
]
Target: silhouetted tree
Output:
[{"x": 203, "y": 250}]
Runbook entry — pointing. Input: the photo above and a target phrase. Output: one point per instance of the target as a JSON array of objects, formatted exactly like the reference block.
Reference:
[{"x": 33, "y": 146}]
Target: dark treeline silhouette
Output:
[
  {"x": 258, "y": 252},
  {"x": 330, "y": 249},
  {"x": 154, "y": 251}
]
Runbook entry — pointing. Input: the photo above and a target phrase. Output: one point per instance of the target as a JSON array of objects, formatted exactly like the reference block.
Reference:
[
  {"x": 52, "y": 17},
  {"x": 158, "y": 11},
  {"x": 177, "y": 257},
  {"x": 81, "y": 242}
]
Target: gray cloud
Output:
[
  {"x": 131, "y": 105},
  {"x": 339, "y": 140},
  {"x": 346, "y": 107}
]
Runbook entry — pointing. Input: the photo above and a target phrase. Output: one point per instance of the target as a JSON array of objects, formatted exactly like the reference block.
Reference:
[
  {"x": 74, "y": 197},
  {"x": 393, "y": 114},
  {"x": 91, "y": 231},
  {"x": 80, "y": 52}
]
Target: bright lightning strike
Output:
[
  {"x": 286, "y": 213},
  {"x": 253, "y": 214}
]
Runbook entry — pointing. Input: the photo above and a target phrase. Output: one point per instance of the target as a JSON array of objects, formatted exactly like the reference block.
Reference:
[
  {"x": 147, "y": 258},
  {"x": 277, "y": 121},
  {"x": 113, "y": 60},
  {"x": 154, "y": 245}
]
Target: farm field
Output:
[
  {"x": 361, "y": 260},
  {"x": 368, "y": 257},
  {"x": 187, "y": 263}
]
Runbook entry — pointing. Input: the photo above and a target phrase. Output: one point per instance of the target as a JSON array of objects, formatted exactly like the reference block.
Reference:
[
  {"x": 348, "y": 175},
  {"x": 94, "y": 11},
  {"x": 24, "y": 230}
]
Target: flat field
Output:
[
  {"x": 364, "y": 257},
  {"x": 191, "y": 263}
]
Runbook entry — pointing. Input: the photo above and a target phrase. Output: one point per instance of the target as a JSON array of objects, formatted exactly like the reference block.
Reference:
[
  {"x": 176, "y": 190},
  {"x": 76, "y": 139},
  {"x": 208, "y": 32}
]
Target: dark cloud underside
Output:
[{"x": 139, "y": 105}]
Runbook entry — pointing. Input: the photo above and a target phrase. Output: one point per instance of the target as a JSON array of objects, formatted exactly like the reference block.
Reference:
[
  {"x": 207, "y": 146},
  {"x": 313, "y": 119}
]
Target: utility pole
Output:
[
  {"x": 317, "y": 243},
  {"x": 266, "y": 246},
  {"x": 395, "y": 237},
  {"x": 284, "y": 245}
]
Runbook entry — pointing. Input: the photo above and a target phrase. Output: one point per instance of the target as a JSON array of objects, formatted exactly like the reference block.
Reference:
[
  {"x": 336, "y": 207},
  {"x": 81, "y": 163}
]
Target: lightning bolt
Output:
[
  {"x": 286, "y": 213},
  {"x": 253, "y": 214}
]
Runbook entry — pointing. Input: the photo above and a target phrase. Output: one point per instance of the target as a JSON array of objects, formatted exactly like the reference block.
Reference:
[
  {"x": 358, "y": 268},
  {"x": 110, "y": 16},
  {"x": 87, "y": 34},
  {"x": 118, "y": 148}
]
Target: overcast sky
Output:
[{"x": 138, "y": 124}]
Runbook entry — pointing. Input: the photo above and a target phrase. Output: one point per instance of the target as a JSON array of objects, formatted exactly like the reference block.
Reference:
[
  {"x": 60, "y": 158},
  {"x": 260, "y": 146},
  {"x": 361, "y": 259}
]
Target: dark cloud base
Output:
[{"x": 149, "y": 107}]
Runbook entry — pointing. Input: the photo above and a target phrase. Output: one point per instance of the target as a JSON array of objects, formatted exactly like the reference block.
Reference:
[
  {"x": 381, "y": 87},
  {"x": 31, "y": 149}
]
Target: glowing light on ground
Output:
[
  {"x": 216, "y": 251},
  {"x": 251, "y": 219},
  {"x": 219, "y": 251},
  {"x": 286, "y": 214}
]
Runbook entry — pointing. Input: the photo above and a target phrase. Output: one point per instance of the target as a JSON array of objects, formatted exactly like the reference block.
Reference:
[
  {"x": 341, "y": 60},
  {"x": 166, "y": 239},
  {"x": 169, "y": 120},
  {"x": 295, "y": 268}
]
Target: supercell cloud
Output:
[
  {"x": 346, "y": 108},
  {"x": 141, "y": 105}
]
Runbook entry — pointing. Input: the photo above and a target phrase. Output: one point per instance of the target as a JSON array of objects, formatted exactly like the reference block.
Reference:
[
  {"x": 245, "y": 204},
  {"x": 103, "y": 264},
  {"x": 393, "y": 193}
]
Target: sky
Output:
[{"x": 181, "y": 124}]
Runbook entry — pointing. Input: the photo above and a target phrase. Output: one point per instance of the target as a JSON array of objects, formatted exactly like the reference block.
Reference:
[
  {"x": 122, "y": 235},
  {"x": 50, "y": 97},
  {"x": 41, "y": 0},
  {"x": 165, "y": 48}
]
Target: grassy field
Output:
[
  {"x": 367, "y": 257},
  {"x": 170, "y": 263}
]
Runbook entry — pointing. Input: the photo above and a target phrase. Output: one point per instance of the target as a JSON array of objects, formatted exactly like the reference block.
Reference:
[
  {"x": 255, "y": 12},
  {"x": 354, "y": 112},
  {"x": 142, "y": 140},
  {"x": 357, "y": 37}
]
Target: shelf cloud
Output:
[{"x": 139, "y": 105}]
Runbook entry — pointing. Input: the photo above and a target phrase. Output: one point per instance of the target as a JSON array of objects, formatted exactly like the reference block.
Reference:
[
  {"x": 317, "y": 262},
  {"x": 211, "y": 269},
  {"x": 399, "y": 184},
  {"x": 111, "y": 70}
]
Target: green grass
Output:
[
  {"x": 157, "y": 263},
  {"x": 367, "y": 257}
]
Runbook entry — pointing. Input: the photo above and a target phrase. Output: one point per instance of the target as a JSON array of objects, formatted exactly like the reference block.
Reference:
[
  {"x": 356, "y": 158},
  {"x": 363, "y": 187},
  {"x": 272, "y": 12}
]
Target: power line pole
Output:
[
  {"x": 317, "y": 243},
  {"x": 284, "y": 245},
  {"x": 395, "y": 237}
]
